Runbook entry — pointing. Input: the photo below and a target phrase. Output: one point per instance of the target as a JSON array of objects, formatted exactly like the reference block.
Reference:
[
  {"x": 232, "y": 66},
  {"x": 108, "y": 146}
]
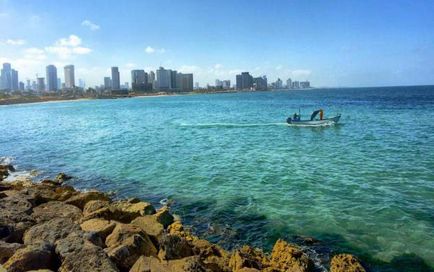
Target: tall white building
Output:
[
  {"x": 69, "y": 76},
  {"x": 116, "y": 83},
  {"x": 289, "y": 83}
]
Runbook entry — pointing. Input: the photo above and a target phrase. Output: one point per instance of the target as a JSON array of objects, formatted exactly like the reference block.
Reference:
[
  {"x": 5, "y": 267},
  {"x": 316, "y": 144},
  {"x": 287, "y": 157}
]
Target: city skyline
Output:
[{"x": 344, "y": 43}]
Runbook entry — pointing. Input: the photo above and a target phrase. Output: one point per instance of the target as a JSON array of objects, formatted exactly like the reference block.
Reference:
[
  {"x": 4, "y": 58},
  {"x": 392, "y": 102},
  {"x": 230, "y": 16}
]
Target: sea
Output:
[{"x": 236, "y": 173}]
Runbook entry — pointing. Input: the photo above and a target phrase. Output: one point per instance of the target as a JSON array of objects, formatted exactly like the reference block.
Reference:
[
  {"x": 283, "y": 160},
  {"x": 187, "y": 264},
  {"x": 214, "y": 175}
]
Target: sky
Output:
[{"x": 331, "y": 43}]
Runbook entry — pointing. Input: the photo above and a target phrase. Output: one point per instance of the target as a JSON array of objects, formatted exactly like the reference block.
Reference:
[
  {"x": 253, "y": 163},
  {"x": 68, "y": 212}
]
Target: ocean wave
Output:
[{"x": 231, "y": 125}]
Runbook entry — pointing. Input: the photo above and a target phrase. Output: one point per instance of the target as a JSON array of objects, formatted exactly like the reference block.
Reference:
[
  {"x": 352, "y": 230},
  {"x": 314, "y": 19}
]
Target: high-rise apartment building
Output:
[
  {"x": 69, "y": 77},
  {"x": 107, "y": 83},
  {"x": 164, "y": 79},
  {"x": 184, "y": 82},
  {"x": 139, "y": 80},
  {"x": 41, "y": 84},
  {"x": 244, "y": 81},
  {"x": 51, "y": 75},
  {"x": 116, "y": 83}
]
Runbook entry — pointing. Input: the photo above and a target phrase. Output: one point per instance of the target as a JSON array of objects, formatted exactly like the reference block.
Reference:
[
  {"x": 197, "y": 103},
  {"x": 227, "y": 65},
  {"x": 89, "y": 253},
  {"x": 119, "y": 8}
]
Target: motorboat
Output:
[{"x": 316, "y": 119}]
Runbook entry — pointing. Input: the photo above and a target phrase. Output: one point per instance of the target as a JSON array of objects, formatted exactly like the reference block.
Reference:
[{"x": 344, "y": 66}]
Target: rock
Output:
[
  {"x": 288, "y": 257},
  {"x": 150, "y": 225},
  {"x": 95, "y": 205},
  {"x": 174, "y": 247},
  {"x": 14, "y": 218},
  {"x": 41, "y": 270},
  {"x": 81, "y": 199},
  {"x": 56, "y": 209},
  {"x": 127, "y": 243},
  {"x": 62, "y": 177},
  {"x": 345, "y": 263},
  {"x": 247, "y": 257},
  {"x": 99, "y": 226},
  {"x": 164, "y": 217},
  {"x": 152, "y": 264},
  {"x": 7, "y": 250},
  {"x": 125, "y": 211},
  {"x": 50, "y": 231},
  {"x": 31, "y": 257},
  {"x": 77, "y": 254},
  {"x": 4, "y": 170},
  {"x": 213, "y": 257}
]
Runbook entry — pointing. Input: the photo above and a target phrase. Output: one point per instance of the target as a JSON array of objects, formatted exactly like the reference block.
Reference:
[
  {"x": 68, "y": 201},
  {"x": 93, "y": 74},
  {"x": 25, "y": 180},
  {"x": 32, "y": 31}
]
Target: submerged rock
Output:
[{"x": 345, "y": 263}]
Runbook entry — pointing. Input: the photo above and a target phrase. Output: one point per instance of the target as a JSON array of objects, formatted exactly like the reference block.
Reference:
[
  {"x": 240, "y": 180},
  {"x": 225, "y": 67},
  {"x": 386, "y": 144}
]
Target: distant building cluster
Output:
[{"x": 161, "y": 80}]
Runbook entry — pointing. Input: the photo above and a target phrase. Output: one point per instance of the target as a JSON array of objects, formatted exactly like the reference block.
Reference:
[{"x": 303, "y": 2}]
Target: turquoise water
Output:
[{"x": 234, "y": 169}]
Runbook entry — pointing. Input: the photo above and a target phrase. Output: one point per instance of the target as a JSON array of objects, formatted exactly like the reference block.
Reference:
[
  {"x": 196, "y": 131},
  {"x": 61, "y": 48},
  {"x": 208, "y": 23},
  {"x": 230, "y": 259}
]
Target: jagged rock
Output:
[
  {"x": 95, "y": 205},
  {"x": 174, "y": 247},
  {"x": 288, "y": 257},
  {"x": 152, "y": 264},
  {"x": 56, "y": 209},
  {"x": 150, "y": 225},
  {"x": 164, "y": 217},
  {"x": 41, "y": 270},
  {"x": 81, "y": 199},
  {"x": 50, "y": 231},
  {"x": 14, "y": 218},
  {"x": 247, "y": 257},
  {"x": 4, "y": 171},
  {"x": 247, "y": 269},
  {"x": 31, "y": 257},
  {"x": 345, "y": 263},
  {"x": 77, "y": 254},
  {"x": 99, "y": 226},
  {"x": 214, "y": 257},
  {"x": 127, "y": 243},
  {"x": 7, "y": 250}
]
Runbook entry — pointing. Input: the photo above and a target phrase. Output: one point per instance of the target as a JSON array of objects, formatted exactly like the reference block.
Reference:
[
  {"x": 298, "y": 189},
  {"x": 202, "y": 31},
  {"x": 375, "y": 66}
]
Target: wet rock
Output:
[
  {"x": 95, "y": 205},
  {"x": 56, "y": 209},
  {"x": 213, "y": 257},
  {"x": 81, "y": 199},
  {"x": 127, "y": 243},
  {"x": 78, "y": 254},
  {"x": 150, "y": 225},
  {"x": 152, "y": 264},
  {"x": 50, "y": 231},
  {"x": 99, "y": 226},
  {"x": 31, "y": 257},
  {"x": 247, "y": 257},
  {"x": 164, "y": 217},
  {"x": 345, "y": 263},
  {"x": 7, "y": 250},
  {"x": 125, "y": 211},
  {"x": 288, "y": 257},
  {"x": 62, "y": 177},
  {"x": 4, "y": 171}
]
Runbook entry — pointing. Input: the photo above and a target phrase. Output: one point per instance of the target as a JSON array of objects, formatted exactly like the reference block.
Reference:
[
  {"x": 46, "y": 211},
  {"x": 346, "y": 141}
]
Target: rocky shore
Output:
[{"x": 50, "y": 226}]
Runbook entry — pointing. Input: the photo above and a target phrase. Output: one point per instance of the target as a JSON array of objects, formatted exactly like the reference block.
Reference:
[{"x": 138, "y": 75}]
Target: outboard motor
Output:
[{"x": 289, "y": 120}]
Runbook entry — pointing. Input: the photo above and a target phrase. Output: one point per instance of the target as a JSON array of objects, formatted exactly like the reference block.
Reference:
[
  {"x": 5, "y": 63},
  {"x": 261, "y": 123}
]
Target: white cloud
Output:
[
  {"x": 218, "y": 66},
  {"x": 91, "y": 25},
  {"x": 152, "y": 50},
  {"x": 35, "y": 54},
  {"x": 65, "y": 48},
  {"x": 13, "y": 42},
  {"x": 301, "y": 73}
]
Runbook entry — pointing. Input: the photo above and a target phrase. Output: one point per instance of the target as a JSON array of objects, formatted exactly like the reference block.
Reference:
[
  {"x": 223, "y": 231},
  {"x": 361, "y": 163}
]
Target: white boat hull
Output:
[{"x": 314, "y": 123}]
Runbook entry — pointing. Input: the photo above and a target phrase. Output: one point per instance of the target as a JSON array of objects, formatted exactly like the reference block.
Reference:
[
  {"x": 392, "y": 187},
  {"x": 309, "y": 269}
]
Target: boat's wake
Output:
[{"x": 232, "y": 125}]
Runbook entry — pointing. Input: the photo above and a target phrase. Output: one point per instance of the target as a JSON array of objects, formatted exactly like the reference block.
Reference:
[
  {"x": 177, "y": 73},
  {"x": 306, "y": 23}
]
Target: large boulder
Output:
[
  {"x": 95, "y": 205},
  {"x": 214, "y": 257},
  {"x": 345, "y": 263},
  {"x": 7, "y": 250},
  {"x": 152, "y": 264},
  {"x": 31, "y": 257},
  {"x": 50, "y": 231},
  {"x": 150, "y": 225},
  {"x": 81, "y": 199},
  {"x": 174, "y": 247},
  {"x": 56, "y": 209},
  {"x": 127, "y": 243},
  {"x": 289, "y": 257},
  {"x": 77, "y": 254},
  {"x": 125, "y": 211},
  {"x": 14, "y": 218},
  {"x": 99, "y": 226}
]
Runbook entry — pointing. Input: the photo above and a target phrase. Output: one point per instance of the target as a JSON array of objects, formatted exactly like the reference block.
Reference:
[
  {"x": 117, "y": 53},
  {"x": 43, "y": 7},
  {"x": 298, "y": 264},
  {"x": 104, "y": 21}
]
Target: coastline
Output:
[{"x": 90, "y": 231}]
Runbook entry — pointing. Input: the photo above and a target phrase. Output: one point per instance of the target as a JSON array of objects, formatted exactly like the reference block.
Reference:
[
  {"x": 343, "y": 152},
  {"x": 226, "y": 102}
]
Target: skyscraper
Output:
[
  {"x": 139, "y": 80},
  {"x": 260, "y": 83},
  {"x": 163, "y": 79},
  {"x": 51, "y": 75},
  {"x": 244, "y": 81},
  {"x": 184, "y": 82},
  {"x": 6, "y": 77},
  {"x": 41, "y": 84},
  {"x": 107, "y": 83},
  {"x": 116, "y": 83},
  {"x": 14, "y": 80},
  {"x": 288, "y": 83},
  {"x": 69, "y": 77},
  {"x": 173, "y": 79}
]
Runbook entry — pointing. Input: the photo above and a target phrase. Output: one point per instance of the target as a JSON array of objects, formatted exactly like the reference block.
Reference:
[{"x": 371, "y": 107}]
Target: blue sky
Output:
[{"x": 330, "y": 43}]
